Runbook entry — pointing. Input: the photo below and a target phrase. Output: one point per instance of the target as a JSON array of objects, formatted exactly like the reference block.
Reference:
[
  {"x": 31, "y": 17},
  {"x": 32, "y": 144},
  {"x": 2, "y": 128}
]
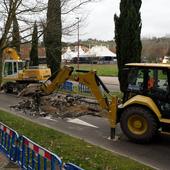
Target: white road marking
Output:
[
  {"x": 80, "y": 122},
  {"x": 49, "y": 118},
  {"x": 76, "y": 121}
]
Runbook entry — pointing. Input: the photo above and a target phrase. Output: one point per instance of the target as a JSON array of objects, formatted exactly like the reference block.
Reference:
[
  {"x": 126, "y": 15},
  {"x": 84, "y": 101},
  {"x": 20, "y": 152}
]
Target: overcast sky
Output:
[{"x": 155, "y": 16}]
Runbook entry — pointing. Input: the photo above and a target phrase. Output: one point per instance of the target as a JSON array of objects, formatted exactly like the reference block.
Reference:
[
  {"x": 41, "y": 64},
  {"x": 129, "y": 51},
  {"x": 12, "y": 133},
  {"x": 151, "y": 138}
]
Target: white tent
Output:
[
  {"x": 97, "y": 54},
  {"x": 102, "y": 55},
  {"x": 81, "y": 52},
  {"x": 68, "y": 55},
  {"x": 100, "y": 51}
]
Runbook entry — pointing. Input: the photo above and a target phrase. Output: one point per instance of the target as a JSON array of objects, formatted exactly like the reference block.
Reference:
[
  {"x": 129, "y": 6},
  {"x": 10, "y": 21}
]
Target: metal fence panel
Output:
[
  {"x": 28, "y": 154},
  {"x": 8, "y": 141},
  {"x": 31, "y": 156}
]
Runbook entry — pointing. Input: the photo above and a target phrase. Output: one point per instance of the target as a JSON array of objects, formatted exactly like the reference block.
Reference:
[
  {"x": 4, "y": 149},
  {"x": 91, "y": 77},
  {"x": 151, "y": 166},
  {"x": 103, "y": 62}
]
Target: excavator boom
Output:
[
  {"x": 58, "y": 78},
  {"x": 11, "y": 53},
  {"x": 88, "y": 78}
]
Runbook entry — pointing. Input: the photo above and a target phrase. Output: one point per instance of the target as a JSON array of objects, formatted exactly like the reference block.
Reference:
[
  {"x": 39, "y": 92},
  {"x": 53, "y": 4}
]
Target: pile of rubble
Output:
[{"x": 58, "y": 105}]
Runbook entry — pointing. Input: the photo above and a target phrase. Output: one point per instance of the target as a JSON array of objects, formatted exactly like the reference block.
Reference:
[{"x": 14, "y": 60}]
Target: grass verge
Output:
[
  {"x": 102, "y": 69},
  {"x": 70, "y": 149}
]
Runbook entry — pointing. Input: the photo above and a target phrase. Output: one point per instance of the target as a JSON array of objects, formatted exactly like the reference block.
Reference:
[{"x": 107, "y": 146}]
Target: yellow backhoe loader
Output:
[
  {"x": 17, "y": 74},
  {"x": 145, "y": 109}
]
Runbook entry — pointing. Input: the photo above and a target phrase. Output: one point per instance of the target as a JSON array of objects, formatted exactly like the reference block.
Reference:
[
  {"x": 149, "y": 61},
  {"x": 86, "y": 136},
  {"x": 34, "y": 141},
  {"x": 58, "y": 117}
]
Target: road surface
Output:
[
  {"x": 96, "y": 131},
  {"x": 112, "y": 83}
]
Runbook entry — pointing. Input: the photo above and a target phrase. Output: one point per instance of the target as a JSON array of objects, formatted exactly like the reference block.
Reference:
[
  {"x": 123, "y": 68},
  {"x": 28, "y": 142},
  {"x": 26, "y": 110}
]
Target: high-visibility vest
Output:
[{"x": 151, "y": 82}]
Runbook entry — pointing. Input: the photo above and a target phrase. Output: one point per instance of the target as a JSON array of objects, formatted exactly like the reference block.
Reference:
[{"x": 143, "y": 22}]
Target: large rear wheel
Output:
[{"x": 138, "y": 124}]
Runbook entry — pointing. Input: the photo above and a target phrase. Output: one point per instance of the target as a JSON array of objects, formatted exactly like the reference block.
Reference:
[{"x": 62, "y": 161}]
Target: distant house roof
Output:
[{"x": 25, "y": 52}]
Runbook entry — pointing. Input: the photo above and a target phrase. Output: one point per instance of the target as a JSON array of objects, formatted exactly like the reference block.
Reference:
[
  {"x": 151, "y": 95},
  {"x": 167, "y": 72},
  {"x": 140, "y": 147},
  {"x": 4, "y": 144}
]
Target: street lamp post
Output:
[{"x": 78, "y": 42}]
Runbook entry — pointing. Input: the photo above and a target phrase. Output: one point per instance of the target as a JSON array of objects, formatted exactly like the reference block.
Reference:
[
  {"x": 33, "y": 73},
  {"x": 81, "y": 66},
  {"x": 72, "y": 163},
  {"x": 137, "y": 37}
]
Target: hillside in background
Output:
[{"x": 154, "y": 49}]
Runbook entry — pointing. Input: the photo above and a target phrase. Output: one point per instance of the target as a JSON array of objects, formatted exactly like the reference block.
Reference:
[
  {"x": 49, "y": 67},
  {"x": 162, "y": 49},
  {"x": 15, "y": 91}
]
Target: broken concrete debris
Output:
[{"x": 58, "y": 105}]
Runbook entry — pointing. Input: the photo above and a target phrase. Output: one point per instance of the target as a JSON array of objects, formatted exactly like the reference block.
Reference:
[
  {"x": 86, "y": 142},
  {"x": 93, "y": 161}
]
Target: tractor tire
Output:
[{"x": 138, "y": 124}]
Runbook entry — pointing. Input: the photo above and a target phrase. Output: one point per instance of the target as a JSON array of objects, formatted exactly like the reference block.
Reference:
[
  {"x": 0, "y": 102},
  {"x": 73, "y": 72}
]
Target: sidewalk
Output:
[
  {"x": 5, "y": 164},
  {"x": 112, "y": 83},
  {"x": 110, "y": 80},
  {"x": 3, "y": 161}
]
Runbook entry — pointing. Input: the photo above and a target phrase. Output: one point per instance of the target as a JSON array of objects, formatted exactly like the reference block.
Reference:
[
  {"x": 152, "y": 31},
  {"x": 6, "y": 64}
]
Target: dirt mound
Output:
[{"x": 58, "y": 105}]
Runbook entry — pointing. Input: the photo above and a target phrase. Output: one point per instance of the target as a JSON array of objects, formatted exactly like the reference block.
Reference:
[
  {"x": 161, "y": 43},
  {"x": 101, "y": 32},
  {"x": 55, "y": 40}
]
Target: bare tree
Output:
[
  {"x": 11, "y": 7},
  {"x": 27, "y": 11},
  {"x": 9, "y": 10}
]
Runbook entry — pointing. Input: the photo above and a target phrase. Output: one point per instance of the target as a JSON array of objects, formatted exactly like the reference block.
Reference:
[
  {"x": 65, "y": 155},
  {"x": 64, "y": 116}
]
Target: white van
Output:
[{"x": 166, "y": 59}]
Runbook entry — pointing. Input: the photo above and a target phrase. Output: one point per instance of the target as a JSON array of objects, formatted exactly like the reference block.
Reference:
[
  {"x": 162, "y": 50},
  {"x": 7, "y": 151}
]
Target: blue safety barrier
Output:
[
  {"x": 68, "y": 86},
  {"x": 31, "y": 156},
  {"x": 8, "y": 141},
  {"x": 28, "y": 154},
  {"x": 83, "y": 89},
  {"x": 70, "y": 166}
]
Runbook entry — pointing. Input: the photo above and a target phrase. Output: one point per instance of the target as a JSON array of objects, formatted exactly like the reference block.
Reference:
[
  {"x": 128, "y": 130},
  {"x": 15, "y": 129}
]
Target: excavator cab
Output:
[
  {"x": 152, "y": 82},
  {"x": 12, "y": 67},
  {"x": 146, "y": 105}
]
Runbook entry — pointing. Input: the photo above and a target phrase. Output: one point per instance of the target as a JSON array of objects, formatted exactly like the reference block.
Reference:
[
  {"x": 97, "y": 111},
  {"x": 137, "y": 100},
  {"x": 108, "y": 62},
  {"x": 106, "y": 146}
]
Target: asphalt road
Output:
[
  {"x": 96, "y": 131},
  {"x": 111, "y": 83}
]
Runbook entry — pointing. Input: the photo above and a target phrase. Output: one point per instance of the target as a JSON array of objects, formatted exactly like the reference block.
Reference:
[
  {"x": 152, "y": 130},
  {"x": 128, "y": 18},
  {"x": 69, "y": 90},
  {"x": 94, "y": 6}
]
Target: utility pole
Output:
[{"x": 78, "y": 42}]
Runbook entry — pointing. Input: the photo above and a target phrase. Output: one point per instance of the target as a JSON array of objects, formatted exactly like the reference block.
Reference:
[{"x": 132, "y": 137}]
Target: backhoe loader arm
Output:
[
  {"x": 100, "y": 91},
  {"x": 58, "y": 78},
  {"x": 11, "y": 53},
  {"x": 93, "y": 82},
  {"x": 88, "y": 78}
]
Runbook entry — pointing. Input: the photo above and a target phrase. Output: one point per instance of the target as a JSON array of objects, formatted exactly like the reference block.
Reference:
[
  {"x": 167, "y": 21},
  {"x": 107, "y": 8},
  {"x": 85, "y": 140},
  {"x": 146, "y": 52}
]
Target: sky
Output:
[{"x": 155, "y": 15}]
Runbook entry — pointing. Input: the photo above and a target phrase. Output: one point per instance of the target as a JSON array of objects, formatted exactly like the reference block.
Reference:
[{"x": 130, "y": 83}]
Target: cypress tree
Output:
[
  {"x": 53, "y": 34},
  {"x": 16, "y": 41},
  {"x": 34, "y": 49},
  {"x": 127, "y": 37}
]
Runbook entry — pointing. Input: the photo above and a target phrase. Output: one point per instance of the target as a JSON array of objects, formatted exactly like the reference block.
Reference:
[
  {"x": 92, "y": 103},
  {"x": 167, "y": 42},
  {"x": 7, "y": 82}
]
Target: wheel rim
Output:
[{"x": 137, "y": 124}]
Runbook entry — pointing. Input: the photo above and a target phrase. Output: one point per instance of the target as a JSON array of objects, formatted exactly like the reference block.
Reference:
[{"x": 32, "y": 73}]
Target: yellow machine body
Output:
[
  {"x": 17, "y": 70},
  {"x": 143, "y": 101}
]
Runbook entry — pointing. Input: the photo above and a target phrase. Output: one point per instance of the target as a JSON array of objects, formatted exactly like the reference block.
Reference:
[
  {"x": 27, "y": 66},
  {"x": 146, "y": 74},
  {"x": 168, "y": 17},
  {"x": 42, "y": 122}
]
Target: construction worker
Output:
[{"x": 151, "y": 82}]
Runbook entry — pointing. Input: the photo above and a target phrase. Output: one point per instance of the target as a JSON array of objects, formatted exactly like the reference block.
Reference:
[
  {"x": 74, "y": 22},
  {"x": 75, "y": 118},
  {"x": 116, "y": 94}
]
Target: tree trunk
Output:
[
  {"x": 1, "y": 66},
  {"x": 53, "y": 34}
]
